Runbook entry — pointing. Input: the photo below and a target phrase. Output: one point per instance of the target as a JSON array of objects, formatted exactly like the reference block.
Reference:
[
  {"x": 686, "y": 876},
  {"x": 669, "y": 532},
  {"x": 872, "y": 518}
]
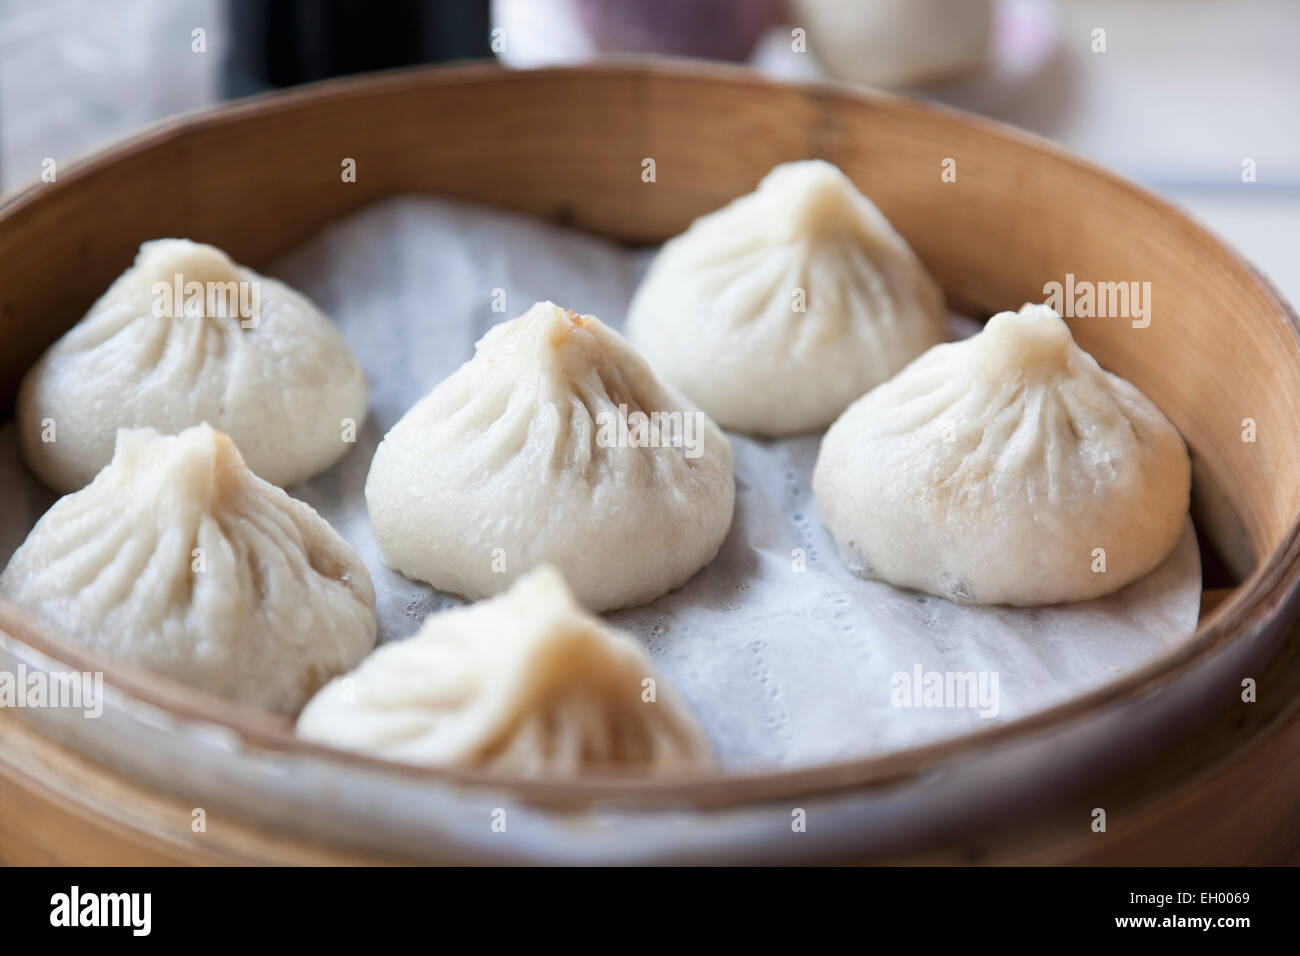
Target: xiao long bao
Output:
[
  {"x": 554, "y": 444},
  {"x": 776, "y": 311},
  {"x": 526, "y": 682},
  {"x": 187, "y": 336},
  {"x": 1006, "y": 469},
  {"x": 178, "y": 560}
]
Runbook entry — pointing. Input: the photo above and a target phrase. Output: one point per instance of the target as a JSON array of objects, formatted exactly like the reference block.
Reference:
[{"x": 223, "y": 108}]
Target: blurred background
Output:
[{"x": 1197, "y": 99}]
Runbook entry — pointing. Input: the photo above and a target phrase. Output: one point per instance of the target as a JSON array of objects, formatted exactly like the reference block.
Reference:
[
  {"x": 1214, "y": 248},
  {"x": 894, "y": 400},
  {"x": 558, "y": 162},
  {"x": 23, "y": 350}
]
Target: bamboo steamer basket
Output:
[{"x": 1186, "y": 771}]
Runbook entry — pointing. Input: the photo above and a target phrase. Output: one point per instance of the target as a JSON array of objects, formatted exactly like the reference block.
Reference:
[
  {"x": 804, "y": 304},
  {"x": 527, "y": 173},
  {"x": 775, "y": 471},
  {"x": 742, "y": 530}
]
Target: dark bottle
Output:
[{"x": 277, "y": 43}]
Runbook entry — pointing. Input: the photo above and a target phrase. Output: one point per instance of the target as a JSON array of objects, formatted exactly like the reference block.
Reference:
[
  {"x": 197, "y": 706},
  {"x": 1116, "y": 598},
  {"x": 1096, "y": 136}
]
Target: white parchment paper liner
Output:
[{"x": 782, "y": 666}]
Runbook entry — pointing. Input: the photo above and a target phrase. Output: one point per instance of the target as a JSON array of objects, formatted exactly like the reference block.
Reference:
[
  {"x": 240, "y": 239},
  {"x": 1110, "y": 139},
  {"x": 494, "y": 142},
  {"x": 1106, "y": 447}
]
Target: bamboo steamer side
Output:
[
  {"x": 1225, "y": 796},
  {"x": 569, "y": 145}
]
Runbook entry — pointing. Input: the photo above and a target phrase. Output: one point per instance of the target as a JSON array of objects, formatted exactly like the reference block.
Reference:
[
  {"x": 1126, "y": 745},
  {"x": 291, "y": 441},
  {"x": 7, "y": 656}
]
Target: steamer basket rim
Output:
[{"x": 1244, "y": 616}]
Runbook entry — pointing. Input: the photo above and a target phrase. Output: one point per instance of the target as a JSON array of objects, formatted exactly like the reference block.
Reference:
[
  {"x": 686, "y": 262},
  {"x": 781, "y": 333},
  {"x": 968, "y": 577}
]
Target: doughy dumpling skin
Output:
[
  {"x": 178, "y": 560},
  {"x": 1005, "y": 469},
  {"x": 279, "y": 380},
  {"x": 529, "y": 454},
  {"x": 779, "y": 309},
  {"x": 527, "y": 682}
]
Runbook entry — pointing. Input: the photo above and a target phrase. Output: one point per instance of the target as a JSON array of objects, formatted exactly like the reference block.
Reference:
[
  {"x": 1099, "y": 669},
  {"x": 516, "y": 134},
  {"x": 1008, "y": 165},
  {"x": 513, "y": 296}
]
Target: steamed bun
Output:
[
  {"x": 178, "y": 560},
  {"x": 526, "y": 682},
  {"x": 776, "y": 311},
  {"x": 275, "y": 376},
  {"x": 1005, "y": 469},
  {"x": 542, "y": 448}
]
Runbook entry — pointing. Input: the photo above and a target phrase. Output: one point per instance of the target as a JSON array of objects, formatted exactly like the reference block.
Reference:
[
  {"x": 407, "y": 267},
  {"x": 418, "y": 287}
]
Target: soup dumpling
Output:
[
  {"x": 180, "y": 561},
  {"x": 1009, "y": 468},
  {"x": 526, "y": 682},
  {"x": 779, "y": 309},
  {"x": 186, "y": 336},
  {"x": 555, "y": 444}
]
